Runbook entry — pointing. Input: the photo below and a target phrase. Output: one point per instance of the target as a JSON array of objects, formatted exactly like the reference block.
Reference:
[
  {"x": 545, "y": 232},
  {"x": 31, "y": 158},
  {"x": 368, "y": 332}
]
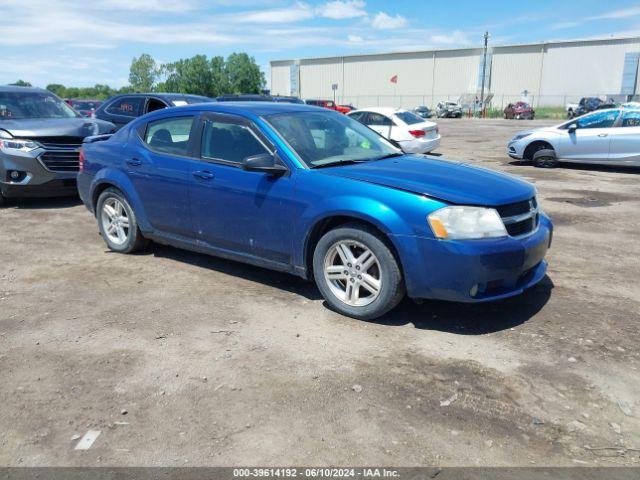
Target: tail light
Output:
[
  {"x": 81, "y": 161},
  {"x": 417, "y": 133}
]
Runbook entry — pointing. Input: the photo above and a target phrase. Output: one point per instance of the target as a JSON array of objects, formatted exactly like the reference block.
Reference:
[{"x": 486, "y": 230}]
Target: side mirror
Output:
[
  {"x": 572, "y": 128},
  {"x": 265, "y": 163}
]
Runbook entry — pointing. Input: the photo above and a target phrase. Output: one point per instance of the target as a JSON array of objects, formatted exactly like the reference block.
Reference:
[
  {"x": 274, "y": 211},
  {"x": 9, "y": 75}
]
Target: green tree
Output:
[
  {"x": 190, "y": 75},
  {"x": 21, "y": 83},
  {"x": 243, "y": 74},
  {"x": 57, "y": 89},
  {"x": 143, "y": 73}
]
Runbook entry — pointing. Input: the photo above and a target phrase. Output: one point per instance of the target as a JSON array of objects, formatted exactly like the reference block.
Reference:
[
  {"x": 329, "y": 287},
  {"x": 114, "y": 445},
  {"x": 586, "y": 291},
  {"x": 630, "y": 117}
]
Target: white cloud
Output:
[
  {"x": 295, "y": 13},
  {"x": 383, "y": 21},
  {"x": 616, "y": 14},
  {"x": 160, "y": 6},
  {"x": 339, "y": 9},
  {"x": 354, "y": 38},
  {"x": 456, "y": 37}
]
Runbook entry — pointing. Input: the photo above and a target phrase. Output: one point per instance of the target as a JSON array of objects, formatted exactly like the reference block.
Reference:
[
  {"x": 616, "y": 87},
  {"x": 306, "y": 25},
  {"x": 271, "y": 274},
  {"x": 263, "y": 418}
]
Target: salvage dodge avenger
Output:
[{"x": 312, "y": 192}]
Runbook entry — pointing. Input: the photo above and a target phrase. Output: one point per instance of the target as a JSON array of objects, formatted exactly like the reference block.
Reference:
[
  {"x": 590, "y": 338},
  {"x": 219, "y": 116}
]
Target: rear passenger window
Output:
[
  {"x": 169, "y": 135},
  {"x": 230, "y": 142},
  {"x": 378, "y": 120},
  {"x": 631, "y": 118},
  {"x": 127, "y": 106}
]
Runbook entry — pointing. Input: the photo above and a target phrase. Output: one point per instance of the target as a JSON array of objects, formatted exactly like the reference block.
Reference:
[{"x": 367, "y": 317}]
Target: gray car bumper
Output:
[{"x": 33, "y": 179}]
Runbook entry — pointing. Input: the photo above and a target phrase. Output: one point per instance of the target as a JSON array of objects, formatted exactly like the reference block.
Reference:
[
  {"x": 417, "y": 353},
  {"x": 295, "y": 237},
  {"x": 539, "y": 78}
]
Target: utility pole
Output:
[{"x": 484, "y": 72}]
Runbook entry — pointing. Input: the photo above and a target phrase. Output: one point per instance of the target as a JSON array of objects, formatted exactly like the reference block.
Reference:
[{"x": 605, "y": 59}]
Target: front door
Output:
[
  {"x": 233, "y": 209},
  {"x": 590, "y": 141}
]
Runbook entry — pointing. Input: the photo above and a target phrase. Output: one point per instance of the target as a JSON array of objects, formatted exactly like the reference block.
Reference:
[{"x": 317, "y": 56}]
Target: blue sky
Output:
[{"x": 80, "y": 42}]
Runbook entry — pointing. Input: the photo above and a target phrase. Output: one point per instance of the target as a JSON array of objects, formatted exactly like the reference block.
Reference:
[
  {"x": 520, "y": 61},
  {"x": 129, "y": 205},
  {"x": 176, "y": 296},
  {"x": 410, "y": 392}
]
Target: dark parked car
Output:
[
  {"x": 589, "y": 104},
  {"x": 519, "y": 111},
  {"x": 121, "y": 109},
  {"x": 40, "y": 137},
  {"x": 423, "y": 111},
  {"x": 86, "y": 108},
  {"x": 317, "y": 194}
]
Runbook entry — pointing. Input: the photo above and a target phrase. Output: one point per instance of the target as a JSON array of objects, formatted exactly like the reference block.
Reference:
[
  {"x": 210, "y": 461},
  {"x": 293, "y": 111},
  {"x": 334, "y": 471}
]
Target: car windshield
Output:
[
  {"x": 27, "y": 105},
  {"x": 327, "y": 138},
  {"x": 409, "y": 118}
]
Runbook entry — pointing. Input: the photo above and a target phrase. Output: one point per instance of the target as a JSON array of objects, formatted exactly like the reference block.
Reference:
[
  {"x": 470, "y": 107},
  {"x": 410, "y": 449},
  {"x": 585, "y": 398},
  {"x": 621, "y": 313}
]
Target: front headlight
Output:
[
  {"x": 7, "y": 146},
  {"x": 461, "y": 222},
  {"x": 520, "y": 136}
]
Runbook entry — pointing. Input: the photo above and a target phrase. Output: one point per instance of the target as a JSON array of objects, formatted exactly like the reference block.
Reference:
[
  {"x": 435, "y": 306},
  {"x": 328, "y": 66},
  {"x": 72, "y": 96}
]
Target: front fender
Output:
[
  {"x": 115, "y": 177},
  {"x": 368, "y": 210}
]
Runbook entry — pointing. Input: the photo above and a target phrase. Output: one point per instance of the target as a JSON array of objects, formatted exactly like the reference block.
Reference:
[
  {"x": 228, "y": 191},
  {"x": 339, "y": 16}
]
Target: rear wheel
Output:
[
  {"x": 357, "y": 273},
  {"x": 117, "y": 222}
]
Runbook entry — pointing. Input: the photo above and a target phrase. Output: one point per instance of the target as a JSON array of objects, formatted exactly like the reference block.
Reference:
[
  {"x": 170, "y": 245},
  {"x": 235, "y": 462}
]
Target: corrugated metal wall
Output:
[{"x": 551, "y": 73}]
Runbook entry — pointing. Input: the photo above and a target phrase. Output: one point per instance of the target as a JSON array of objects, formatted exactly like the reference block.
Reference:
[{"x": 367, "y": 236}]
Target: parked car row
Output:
[{"x": 318, "y": 194}]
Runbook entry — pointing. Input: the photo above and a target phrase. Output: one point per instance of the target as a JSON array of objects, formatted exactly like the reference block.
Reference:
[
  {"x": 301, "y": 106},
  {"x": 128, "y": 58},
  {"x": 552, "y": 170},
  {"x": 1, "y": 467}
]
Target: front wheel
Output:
[
  {"x": 117, "y": 222},
  {"x": 357, "y": 273}
]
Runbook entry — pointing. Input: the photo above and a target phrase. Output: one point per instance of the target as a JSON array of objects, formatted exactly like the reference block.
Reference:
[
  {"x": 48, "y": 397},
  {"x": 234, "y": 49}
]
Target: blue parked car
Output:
[{"x": 312, "y": 192}]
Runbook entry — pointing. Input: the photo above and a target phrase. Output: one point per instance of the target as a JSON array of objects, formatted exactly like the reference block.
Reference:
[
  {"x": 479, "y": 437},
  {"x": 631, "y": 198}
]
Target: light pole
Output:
[{"x": 484, "y": 71}]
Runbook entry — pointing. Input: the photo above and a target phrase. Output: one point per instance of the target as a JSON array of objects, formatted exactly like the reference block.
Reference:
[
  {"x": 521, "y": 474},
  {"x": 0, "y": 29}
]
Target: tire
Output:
[
  {"x": 545, "y": 159},
  {"x": 132, "y": 239},
  {"x": 3, "y": 200},
  {"x": 364, "y": 296}
]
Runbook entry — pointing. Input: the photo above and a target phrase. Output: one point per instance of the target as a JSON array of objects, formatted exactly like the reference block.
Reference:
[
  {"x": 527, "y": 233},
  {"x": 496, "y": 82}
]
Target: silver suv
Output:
[{"x": 40, "y": 138}]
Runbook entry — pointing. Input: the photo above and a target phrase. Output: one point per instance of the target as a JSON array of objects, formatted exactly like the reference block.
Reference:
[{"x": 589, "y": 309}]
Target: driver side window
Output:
[
  {"x": 603, "y": 119},
  {"x": 229, "y": 142}
]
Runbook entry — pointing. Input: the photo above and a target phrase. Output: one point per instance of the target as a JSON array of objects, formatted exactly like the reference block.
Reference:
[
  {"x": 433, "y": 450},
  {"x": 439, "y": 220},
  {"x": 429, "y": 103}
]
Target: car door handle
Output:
[
  {"x": 603, "y": 134},
  {"x": 203, "y": 174},
  {"x": 134, "y": 162}
]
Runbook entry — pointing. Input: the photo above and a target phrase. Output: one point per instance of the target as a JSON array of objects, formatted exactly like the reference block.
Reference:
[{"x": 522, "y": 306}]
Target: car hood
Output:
[
  {"x": 452, "y": 182},
  {"x": 55, "y": 127}
]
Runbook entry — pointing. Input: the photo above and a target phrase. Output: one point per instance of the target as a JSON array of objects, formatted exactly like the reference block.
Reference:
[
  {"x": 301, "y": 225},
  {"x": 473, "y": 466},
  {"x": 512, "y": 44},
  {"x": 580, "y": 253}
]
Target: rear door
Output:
[
  {"x": 625, "y": 139},
  {"x": 248, "y": 213},
  {"x": 591, "y": 140},
  {"x": 160, "y": 170}
]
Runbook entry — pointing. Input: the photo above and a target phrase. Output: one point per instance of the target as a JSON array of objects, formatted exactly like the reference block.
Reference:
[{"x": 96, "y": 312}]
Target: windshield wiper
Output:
[
  {"x": 390, "y": 155},
  {"x": 339, "y": 162}
]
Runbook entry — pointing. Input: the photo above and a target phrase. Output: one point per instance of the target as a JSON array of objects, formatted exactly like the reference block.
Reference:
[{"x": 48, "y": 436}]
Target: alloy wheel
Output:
[
  {"x": 115, "y": 222},
  {"x": 353, "y": 273}
]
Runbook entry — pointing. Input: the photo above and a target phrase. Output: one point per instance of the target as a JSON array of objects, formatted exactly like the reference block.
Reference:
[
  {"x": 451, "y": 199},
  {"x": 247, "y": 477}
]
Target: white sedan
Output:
[
  {"x": 413, "y": 133},
  {"x": 605, "y": 137}
]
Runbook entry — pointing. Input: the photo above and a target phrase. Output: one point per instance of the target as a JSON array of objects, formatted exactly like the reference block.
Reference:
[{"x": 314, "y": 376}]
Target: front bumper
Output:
[
  {"x": 420, "y": 145},
  {"x": 516, "y": 150},
  {"x": 474, "y": 270},
  {"x": 35, "y": 180}
]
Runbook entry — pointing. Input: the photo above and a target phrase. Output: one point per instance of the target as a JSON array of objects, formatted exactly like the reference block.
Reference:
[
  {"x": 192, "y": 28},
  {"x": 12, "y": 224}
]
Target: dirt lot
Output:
[{"x": 183, "y": 359}]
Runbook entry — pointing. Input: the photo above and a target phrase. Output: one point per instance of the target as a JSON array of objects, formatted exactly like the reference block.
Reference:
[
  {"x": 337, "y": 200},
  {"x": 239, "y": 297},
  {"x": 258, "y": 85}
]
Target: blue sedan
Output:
[{"x": 312, "y": 192}]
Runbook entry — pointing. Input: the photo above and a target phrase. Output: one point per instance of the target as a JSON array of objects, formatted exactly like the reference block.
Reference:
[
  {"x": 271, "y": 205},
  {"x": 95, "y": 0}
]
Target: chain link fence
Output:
[{"x": 498, "y": 102}]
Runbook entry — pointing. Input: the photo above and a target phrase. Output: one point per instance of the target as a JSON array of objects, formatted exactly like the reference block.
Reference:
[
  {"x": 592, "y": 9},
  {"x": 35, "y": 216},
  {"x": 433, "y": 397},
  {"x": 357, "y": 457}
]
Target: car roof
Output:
[
  {"x": 243, "y": 108},
  {"x": 15, "y": 88},
  {"x": 381, "y": 110},
  {"x": 168, "y": 96}
]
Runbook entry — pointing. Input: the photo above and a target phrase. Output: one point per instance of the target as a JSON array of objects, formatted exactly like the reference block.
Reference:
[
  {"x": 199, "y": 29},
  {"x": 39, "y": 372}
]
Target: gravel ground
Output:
[{"x": 182, "y": 359}]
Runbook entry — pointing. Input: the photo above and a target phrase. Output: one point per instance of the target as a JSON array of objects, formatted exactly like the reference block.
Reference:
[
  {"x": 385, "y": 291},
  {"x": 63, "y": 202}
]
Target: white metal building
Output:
[{"x": 546, "y": 74}]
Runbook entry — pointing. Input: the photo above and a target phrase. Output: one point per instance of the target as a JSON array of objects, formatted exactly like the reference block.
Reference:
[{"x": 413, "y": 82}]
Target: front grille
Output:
[
  {"x": 58, "y": 142},
  {"x": 522, "y": 228},
  {"x": 520, "y": 218},
  {"x": 61, "y": 160}
]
